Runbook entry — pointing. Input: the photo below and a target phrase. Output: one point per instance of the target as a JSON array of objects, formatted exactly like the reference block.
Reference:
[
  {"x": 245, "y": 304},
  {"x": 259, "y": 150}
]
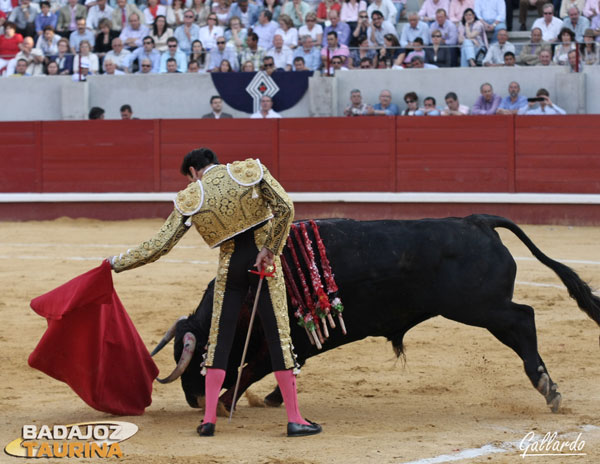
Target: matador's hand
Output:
[{"x": 264, "y": 259}]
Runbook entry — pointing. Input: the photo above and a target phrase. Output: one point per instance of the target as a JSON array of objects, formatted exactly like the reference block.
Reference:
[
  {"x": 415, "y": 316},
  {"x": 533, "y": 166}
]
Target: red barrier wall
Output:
[{"x": 467, "y": 154}]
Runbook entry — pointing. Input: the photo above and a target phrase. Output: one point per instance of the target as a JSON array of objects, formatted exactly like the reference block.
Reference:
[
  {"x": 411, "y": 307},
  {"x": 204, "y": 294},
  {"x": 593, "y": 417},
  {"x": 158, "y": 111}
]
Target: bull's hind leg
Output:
[{"x": 517, "y": 331}]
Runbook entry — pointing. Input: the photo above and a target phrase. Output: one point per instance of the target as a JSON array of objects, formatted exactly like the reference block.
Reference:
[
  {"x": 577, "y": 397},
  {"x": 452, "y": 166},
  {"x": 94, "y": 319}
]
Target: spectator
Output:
[
  {"x": 418, "y": 62},
  {"x": 175, "y": 54},
  {"x": 566, "y": 4},
  {"x": 287, "y": 31},
  {"x": 20, "y": 69},
  {"x": 236, "y": 34},
  {"x": 388, "y": 54},
  {"x": 96, "y": 113},
  {"x": 266, "y": 109},
  {"x": 299, "y": 64},
  {"x": 350, "y": 11},
  {"x": 153, "y": 10},
  {"x": 268, "y": 64},
  {"x": 525, "y": 5},
  {"x": 174, "y": 14},
  {"x": 110, "y": 68},
  {"x": 33, "y": 57},
  {"x": 566, "y": 38},
  {"x": 453, "y": 107},
  {"x": 429, "y": 108},
  {"x": 412, "y": 105},
  {"x": 188, "y": 32},
  {"x": 126, "y": 112},
  {"x": 363, "y": 51},
  {"x": 253, "y": 52},
  {"x": 216, "y": 104},
  {"x": 386, "y": 8},
  {"x": 337, "y": 64},
  {"x": 265, "y": 29},
  {"x": 413, "y": 29},
  {"x": 248, "y": 66},
  {"x": 45, "y": 18},
  {"x": 366, "y": 63},
  {"x": 574, "y": 63},
  {"x": 548, "y": 24},
  {"x": 437, "y": 54},
  {"x": 445, "y": 27},
  {"x": 83, "y": 72},
  {"x": 80, "y": 34},
  {"x": 193, "y": 67},
  {"x": 488, "y": 102},
  {"x": 24, "y": 18},
  {"x": 325, "y": 7},
  {"x": 171, "y": 66},
  {"x": 133, "y": 34},
  {"x": 121, "y": 14},
  {"x": 145, "y": 66},
  {"x": 378, "y": 29},
  {"x": 309, "y": 54},
  {"x": 67, "y": 17},
  {"x": 146, "y": 51},
  {"x": 509, "y": 59},
  {"x": 64, "y": 59},
  {"x": 513, "y": 102},
  {"x": 121, "y": 57},
  {"x": 595, "y": 26},
  {"x": 360, "y": 28},
  {"x": 492, "y": 13},
  {"x": 225, "y": 66},
  {"x": 48, "y": 42},
  {"x": 543, "y": 107},
  {"x": 385, "y": 107},
  {"x": 202, "y": 12},
  {"x": 161, "y": 33},
  {"x": 85, "y": 54},
  {"x": 340, "y": 28},
  {"x": 311, "y": 28},
  {"x": 9, "y": 44},
  {"x": 530, "y": 53},
  {"x": 104, "y": 39},
  {"x": 296, "y": 10},
  {"x": 273, "y": 7},
  {"x": 429, "y": 8},
  {"x": 356, "y": 107},
  {"x": 199, "y": 56},
  {"x": 591, "y": 9},
  {"x": 577, "y": 23},
  {"x": 220, "y": 53},
  {"x": 334, "y": 48},
  {"x": 98, "y": 12},
  {"x": 472, "y": 37},
  {"x": 545, "y": 58},
  {"x": 589, "y": 49},
  {"x": 417, "y": 50},
  {"x": 207, "y": 34},
  {"x": 245, "y": 11},
  {"x": 495, "y": 54},
  {"x": 457, "y": 9},
  {"x": 52, "y": 69}
]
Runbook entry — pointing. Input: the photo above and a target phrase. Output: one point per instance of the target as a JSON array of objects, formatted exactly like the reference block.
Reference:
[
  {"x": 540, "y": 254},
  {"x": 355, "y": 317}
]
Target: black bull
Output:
[{"x": 393, "y": 275}]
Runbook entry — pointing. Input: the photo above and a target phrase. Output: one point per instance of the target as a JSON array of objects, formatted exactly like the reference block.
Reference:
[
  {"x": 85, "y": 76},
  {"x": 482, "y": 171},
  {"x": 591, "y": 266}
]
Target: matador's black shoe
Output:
[
  {"x": 302, "y": 430},
  {"x": 206, "y": 430}
]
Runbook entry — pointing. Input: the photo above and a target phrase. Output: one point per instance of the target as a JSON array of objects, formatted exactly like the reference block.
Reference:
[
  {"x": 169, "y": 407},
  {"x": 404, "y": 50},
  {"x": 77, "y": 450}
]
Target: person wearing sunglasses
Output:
[
  {"x": 173, "y": 52},
  {"x": 146, "y": 51},
  {"x": 187, "y": 33},
  {"x": 222, "y": 52}
]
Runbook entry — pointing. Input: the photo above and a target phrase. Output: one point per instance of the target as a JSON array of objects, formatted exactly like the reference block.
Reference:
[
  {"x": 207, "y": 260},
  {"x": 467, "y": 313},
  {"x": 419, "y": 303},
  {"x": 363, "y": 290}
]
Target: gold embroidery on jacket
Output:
[{"x": 283, "y": 212}]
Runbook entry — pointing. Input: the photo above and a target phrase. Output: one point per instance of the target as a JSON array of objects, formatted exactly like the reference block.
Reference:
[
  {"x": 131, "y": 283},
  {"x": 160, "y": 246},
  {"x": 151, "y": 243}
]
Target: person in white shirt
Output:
[
  {"x": 266, "y": 109},
  {"x": 545, "y": 106},
  {"x": 282, "y": 54},
  {"x": 549, "y": 24},
  {"x": 453, "y": 107},
  {"x": 97, "y": 12}
]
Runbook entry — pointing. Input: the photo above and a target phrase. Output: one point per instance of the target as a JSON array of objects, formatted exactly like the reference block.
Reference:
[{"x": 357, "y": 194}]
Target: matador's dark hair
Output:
[{"x": 198, "y": 159}]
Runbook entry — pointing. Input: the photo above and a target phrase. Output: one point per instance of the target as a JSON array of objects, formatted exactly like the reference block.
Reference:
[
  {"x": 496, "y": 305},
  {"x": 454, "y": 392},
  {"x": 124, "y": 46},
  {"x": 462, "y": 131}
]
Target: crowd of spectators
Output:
[{"x": 83, "y": 37}]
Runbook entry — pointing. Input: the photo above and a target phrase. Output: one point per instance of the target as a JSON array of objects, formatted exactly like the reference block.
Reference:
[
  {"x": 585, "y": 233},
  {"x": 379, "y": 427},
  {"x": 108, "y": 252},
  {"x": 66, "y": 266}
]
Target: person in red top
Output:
[
  {"x": 325, "y": 7},
  {"x": 9, "y": 44}
]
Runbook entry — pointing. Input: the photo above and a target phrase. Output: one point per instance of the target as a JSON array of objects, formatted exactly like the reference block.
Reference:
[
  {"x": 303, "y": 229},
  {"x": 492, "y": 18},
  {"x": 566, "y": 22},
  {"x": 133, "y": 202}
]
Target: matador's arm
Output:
[
  {"x": 283, "y": 212},
  {"x": 150, "y": 250}
]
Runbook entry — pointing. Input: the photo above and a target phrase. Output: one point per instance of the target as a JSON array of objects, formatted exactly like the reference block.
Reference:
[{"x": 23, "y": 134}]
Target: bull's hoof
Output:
[
  {"x": 273, "y": 399},
  {"x": 206, "y": 430},
  {"x": 271, "y": 403},
  {"x": 543, "y": 385},
  {"x": 554, "y": 402}
]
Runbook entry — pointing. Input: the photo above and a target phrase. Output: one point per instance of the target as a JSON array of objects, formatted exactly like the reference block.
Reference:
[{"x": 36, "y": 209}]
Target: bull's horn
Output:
[
  {"x": 189, "y": 344},
  {"x": 169, "y": 334}
]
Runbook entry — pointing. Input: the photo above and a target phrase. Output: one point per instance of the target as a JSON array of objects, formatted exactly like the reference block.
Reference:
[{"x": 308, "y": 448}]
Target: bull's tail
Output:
[{"x": 578, "y": 289}]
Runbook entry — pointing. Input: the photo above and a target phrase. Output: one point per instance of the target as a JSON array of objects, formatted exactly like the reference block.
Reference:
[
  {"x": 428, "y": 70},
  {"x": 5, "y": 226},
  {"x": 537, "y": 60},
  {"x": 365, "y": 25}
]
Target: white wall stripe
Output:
[{"x": 319, "y": 197}]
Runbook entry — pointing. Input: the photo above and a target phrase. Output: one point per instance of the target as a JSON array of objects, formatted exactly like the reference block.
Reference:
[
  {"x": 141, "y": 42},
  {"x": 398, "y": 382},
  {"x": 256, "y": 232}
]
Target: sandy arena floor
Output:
[{"x": 460, "y": 389}]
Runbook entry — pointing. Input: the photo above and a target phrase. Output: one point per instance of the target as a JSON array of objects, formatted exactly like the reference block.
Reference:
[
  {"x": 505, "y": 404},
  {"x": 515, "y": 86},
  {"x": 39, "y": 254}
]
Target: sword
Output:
[{"x": 262, "y": 274}]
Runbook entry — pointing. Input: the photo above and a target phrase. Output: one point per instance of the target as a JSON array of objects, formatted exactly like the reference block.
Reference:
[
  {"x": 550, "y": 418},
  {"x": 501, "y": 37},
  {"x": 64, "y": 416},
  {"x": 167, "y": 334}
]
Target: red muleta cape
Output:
[{"x": 92, "y": 345}]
